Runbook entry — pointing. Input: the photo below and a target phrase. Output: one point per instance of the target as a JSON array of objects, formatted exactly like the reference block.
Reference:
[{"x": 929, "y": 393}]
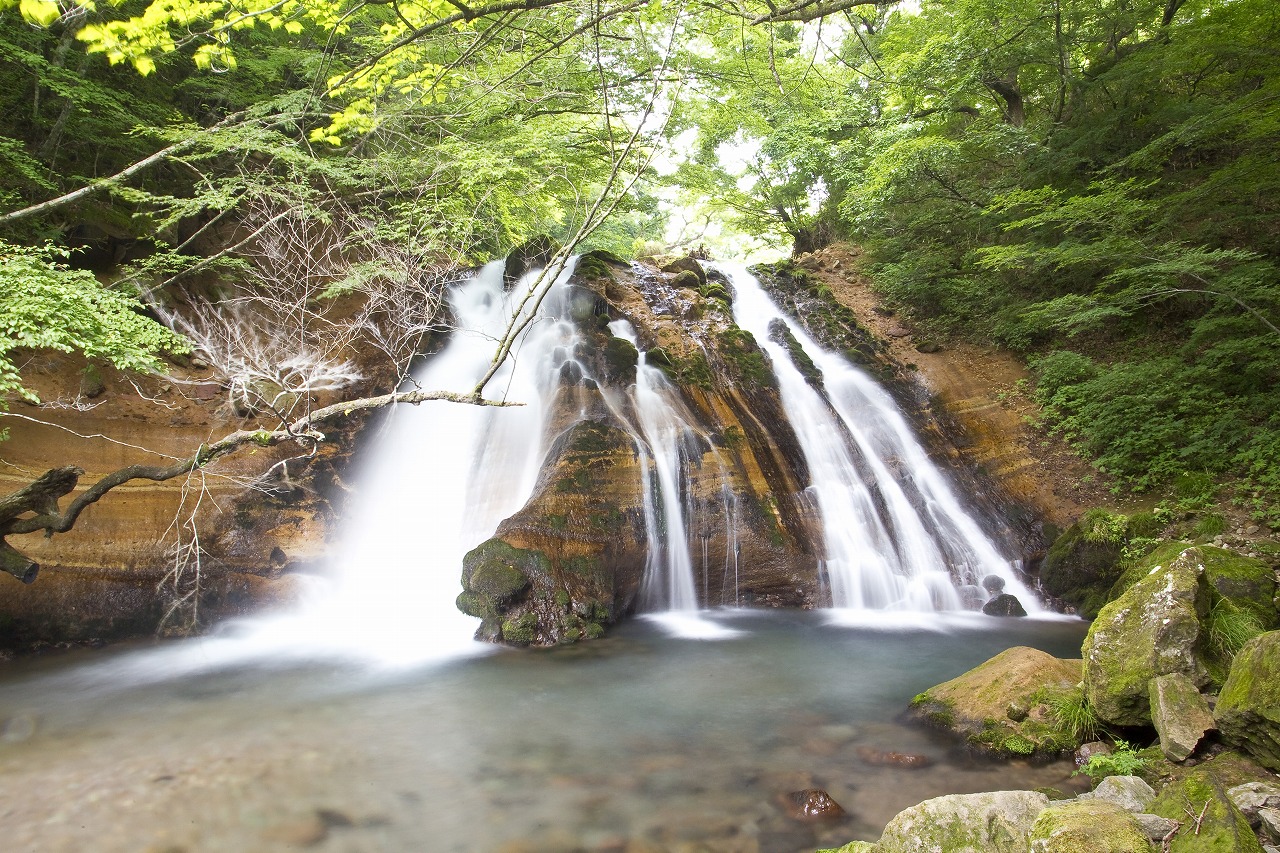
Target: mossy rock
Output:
[
  {"x": 994, "y": 822},
  {"x": 1200, "y": 797},
  {"x": 854, "y": 847},
  {"x": 687, "y": 264},
  {"x": 780, "y": 333},
  {"x": 686, "y": 280},
  {"x": 1088, "y": 826},
  {"x": 495, "y": 571},
  {"x": 520, "y": 630},
  {"x": 597, "y": 265},
  {"x": 1080, "y": 572},
  {"x": 1248, "y": 710},
  {"x": 1153, "y": 629},
  {"x": 1001, "y": 706},
  {"x": 740, "y": 353},
  {"x": 620, "y": 359}
]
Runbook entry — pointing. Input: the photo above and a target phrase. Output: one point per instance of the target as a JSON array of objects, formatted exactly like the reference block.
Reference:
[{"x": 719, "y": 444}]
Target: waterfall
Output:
[{"x": 894, "y": 532}]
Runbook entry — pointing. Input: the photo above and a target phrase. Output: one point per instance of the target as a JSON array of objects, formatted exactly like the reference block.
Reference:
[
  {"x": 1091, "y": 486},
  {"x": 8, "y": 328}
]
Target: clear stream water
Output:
[
  {"x": 368, "y": 720},
  {"x": 641, "y": 738}
]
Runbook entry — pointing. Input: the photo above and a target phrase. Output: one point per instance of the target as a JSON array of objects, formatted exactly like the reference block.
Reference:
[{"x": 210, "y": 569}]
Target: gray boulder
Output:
[
  {"x": 1180, "y": 714},
  {"x": 1092, "y": 825},
  {"x": 1128, "y": 792},
  {"x": 994, "y": 822},
  {"x": 1153, "y": 629}
]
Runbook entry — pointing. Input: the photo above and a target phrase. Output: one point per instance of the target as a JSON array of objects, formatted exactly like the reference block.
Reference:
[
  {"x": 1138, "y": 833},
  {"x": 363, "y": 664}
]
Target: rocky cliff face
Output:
[
  {"x": 570, "y": 562},
  {"x": 573, "y": 559}
]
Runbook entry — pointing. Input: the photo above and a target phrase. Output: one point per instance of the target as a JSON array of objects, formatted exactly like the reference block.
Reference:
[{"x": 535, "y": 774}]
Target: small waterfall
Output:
[
  {"x": 664, "y": 435},
  {"x": 894, "y": 533},
  {"x": 442, "y": 476}
]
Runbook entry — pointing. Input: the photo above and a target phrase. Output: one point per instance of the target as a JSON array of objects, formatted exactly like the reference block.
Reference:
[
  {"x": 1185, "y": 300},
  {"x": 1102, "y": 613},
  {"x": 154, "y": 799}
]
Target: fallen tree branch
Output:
[{"x": 35, "y": 506}]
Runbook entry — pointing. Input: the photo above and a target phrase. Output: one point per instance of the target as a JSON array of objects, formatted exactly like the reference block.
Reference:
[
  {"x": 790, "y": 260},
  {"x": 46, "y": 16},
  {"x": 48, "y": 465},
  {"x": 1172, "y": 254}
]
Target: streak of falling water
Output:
[{"x": 895, "y": 535}]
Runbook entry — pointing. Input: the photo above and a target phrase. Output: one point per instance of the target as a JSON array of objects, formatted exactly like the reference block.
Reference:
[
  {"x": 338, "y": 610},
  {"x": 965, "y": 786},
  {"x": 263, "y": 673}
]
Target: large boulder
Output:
[
  {"x": 1153, "y": 629},
  {"x": 1088, "y": 826},
  {"x": 993, "y": 822},
  {"x": 1080, "y": 571},
  {"x": 1180, "y": 714},
  {"x": 1248, "y": 710},
  {"x": 1211, "y": 823},
  {"x": 1000, "y": 706}
]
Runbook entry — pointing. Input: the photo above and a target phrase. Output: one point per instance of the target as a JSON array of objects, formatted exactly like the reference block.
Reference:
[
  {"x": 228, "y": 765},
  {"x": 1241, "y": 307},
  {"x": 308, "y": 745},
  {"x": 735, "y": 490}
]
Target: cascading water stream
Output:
[
  {"x": 666, "y": 444},
  {"x": 894, "y": 533}
]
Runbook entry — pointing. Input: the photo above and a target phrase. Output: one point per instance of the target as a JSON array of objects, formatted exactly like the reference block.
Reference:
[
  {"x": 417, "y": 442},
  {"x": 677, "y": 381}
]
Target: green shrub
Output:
[{"x": 1124, "y": 760}]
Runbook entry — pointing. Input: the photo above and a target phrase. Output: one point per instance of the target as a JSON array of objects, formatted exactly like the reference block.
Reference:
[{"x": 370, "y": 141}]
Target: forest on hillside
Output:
[{"x": 1091, "y": 183}]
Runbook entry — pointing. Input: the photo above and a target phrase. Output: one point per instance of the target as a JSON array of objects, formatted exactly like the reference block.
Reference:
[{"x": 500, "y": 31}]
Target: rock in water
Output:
[
  {"x": 1248, "y": 709},
  {"x": 977, "y": 704},
  {"x": 994, "y": 822},
  {"x": 812, "y": 804},
  {"x": 1180, "y": 714},
  {"x": 1151, "y": 630},
  {"x": 1004, "y": 604}
]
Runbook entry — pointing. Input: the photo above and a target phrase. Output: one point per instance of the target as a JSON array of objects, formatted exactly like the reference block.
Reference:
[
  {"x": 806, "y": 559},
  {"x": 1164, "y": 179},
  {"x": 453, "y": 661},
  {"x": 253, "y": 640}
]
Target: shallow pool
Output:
[{"x": 642, "y": 741}]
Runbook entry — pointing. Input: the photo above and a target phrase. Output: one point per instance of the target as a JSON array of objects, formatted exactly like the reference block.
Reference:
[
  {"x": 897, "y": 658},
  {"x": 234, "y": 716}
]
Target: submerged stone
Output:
[{"x": 812, "y": 804}]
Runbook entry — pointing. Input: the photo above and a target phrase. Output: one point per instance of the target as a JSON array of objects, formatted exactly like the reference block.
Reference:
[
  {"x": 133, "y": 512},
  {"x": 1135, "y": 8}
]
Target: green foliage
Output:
[
  {"x": 44, "y": 304},
  {"x": 1124, "y": 760},
  {"x": 1229, "y": 628},
  {"x": 1103, "y": 527},
  {"x": 1074, "y": 715}
]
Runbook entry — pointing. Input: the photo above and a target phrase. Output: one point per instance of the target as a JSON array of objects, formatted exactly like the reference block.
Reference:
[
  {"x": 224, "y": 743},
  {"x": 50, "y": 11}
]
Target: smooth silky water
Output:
[
  {"x": 368, "y": 720},
  {"x": 637, "y": 736}
]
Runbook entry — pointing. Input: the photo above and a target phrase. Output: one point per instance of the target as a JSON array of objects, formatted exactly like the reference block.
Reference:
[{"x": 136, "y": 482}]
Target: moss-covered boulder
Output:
[
  {"x": 1211, "y": 823},
  {"x": 494, "y": 575},
  {"x": 854, "y": 847},
  {"x": 1153, "y": 629},
  {"x": 687, "y": 264},
  {"x": 1088, "y": 826},
  {"x": 1002, "y": 706},
  {"x": 992, "y": 822},
  {"x": 1248, "y": 710},
  {"x": 1080, "y": 570}
]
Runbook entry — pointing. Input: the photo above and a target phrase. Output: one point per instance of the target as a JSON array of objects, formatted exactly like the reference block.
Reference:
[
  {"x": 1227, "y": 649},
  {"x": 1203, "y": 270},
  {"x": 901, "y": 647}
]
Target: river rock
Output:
[
  {"x": 1088, "y": 750},
  {"x": 1201, "y": 797},
  {"x": 1153, "y": 629},
  {"x": 977, "y": 704},
  {"x": 1128, "y": 792},
  {"x": 1180, "y": 714},
  {"x": 1248, "y": 709},
  {"x": 1004, "y": 604},
  {"x": 1252, "y": 796},
  {"x": 1087, "y": 826},
  {"x": 891, "y": 758},
  {"x": 992, "y": 822},
  {"x": 811, "y": 804},
  {"x": 1157, "y": 828}
]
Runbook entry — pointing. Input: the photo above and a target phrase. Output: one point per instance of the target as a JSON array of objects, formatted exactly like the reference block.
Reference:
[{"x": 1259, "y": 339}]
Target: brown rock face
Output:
[{"x": 578, "y": 548}]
